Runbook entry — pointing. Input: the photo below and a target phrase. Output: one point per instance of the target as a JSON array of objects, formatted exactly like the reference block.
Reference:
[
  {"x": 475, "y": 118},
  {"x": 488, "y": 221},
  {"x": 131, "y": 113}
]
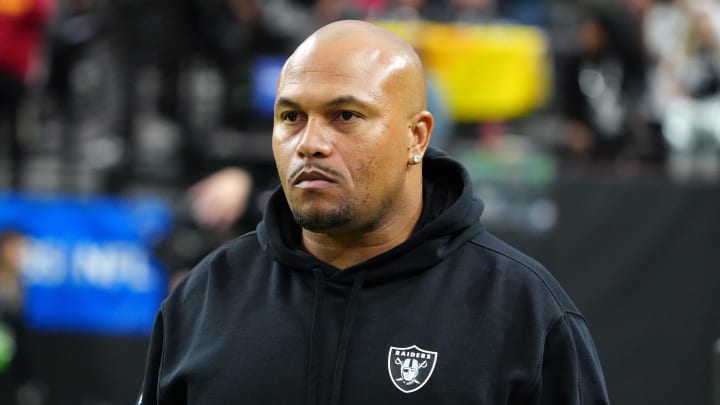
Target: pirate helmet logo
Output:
[{"x": 410, "y": 367}]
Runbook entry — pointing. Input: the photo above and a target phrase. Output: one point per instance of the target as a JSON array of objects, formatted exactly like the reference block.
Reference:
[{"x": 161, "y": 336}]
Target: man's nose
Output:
[{"x": 314, "y": 139}]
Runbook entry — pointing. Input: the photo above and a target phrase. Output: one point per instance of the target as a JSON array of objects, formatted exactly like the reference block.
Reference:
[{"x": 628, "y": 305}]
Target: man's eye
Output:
[
  {"x": 291, "y": 116},
  {"x": 347, "y": 116}
]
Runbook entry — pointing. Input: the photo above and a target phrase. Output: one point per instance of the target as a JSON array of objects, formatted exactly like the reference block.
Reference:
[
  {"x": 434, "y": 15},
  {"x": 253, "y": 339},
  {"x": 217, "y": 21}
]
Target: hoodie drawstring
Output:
[{"x": 345, "y": 338}]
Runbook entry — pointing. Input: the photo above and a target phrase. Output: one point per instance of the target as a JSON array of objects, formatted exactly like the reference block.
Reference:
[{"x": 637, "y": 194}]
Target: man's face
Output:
[{"x": 341, "y": 136}]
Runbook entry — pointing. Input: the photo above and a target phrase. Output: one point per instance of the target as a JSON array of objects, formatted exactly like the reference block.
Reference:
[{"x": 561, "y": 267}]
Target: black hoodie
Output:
[{"x": 450, "y": 316}]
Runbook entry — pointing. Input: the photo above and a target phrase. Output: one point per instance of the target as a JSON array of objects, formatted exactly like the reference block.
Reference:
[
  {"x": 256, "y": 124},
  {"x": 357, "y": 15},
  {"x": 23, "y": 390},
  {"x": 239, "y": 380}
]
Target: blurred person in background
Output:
[
  {"x": 221, "y": 199},
  {"x": 17, "y": 386},
  {"x": 218, "y": 208},
  {"x": 23, "y": 24},
  {"x": 683, "y": 41},
  {"x": 600, "y": 86}
]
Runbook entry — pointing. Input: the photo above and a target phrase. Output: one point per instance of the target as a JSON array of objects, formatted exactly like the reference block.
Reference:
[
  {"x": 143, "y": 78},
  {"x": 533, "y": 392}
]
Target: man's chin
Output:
[{"x": 318, "y": 222}]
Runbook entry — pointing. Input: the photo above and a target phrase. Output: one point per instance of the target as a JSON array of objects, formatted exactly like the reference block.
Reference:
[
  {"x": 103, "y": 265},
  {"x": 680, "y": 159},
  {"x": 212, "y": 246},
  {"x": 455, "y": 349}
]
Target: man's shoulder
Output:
[
  {"x": 517, "y": 267},
  {"x": 496, "y": 247}
]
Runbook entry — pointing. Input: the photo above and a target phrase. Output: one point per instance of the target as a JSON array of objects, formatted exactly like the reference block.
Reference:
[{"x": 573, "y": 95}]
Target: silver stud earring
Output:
[{"x": 416, "y": 159}]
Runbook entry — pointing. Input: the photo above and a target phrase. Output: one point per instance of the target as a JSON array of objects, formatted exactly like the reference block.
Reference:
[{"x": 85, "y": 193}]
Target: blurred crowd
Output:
[
  {"x": 101, "y": 95},
  {"x": 636, "y": 79},
  {"x": 643, "y": 82}
]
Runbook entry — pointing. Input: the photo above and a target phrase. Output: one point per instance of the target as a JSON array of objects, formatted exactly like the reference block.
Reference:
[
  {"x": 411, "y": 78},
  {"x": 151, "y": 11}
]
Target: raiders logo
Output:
[{"x": 410, "y": 367}]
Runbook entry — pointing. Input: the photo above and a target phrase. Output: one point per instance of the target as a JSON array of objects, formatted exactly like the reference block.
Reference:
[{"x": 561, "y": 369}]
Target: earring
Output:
[{"x": 416, "y": 159}]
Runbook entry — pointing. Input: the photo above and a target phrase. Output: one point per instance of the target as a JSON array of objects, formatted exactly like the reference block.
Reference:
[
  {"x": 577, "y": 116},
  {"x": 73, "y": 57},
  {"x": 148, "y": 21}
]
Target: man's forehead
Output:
[
  {"x": 329, "y": 58},
  {"x": 372, "y": 68}
]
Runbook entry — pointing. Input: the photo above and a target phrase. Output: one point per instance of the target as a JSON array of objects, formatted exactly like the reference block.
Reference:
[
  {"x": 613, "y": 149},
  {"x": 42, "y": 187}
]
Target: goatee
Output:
[{"x": 323, "y": 221}]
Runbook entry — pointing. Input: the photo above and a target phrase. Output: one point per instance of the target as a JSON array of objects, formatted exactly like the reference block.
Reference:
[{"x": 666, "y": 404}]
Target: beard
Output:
[{"x": 320, "y": 221}]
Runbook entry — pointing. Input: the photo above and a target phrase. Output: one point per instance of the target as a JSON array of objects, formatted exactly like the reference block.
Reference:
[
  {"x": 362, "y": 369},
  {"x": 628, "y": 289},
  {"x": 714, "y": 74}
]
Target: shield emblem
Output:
[{"x": 410, "y": 367}]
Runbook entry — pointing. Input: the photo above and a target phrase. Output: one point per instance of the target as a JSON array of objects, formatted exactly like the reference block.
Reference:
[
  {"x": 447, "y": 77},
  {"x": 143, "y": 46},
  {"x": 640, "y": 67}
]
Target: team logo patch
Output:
[{"x": 410, "y": 367}]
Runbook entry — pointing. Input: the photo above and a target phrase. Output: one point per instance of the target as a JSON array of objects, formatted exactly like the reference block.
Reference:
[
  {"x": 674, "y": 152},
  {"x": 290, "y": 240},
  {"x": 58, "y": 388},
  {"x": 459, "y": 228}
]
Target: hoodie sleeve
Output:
[
  {"x": 570, "y": 373},
  {"x": 149, "y": 388}
]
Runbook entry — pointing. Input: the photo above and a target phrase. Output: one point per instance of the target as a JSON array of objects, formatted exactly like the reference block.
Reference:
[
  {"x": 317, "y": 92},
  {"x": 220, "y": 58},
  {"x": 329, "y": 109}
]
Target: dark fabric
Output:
[{"x": 249, "y": 324}]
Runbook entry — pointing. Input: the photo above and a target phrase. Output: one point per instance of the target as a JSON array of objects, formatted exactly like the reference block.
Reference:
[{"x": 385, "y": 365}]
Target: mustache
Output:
[{"x": 314, "y": 166}]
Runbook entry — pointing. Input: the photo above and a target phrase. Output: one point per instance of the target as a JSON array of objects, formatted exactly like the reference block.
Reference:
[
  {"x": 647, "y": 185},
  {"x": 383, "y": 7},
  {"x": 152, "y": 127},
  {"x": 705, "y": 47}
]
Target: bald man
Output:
[{"x": 370, "y": 279}]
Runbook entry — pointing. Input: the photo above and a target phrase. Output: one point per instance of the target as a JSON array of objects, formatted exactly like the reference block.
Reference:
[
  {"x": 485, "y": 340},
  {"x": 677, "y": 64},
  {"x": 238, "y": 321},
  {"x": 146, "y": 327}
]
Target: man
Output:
[{"x": 370, "y": 279}]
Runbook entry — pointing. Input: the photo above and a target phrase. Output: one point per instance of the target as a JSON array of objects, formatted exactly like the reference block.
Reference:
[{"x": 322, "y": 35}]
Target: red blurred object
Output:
[{"x": 22, "y": 30}]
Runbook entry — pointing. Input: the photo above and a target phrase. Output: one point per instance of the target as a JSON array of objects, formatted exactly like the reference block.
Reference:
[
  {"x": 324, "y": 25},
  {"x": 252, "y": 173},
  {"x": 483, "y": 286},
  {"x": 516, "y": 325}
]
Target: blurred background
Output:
[{"x": 135, "y": 138}]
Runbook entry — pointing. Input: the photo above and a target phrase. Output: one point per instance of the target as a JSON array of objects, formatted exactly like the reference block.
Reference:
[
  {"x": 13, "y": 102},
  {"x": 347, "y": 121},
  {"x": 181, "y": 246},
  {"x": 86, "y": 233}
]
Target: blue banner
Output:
[{"x": 89, "y": 263}]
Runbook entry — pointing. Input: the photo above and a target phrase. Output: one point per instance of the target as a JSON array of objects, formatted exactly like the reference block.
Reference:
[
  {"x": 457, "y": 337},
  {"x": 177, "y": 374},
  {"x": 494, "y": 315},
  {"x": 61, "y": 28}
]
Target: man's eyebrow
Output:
[{"x": 286, "y": 102}]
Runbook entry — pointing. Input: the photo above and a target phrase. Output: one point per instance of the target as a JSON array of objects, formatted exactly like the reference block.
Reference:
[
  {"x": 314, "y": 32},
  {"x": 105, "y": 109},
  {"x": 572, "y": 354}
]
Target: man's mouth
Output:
[{"x": 312, "y": 179}]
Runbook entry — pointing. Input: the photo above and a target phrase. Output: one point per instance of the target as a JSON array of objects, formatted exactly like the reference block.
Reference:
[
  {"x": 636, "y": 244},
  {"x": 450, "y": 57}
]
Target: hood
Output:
[{"x": 450, "y": 217}]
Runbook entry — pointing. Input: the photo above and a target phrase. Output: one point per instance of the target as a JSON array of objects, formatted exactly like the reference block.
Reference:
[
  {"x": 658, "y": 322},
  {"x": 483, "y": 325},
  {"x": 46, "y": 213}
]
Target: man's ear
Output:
[{"x": 421, "y": 128}]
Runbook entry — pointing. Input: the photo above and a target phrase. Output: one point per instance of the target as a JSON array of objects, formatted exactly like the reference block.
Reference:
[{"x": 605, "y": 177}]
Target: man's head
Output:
[{"x": 350, "y": 117}]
